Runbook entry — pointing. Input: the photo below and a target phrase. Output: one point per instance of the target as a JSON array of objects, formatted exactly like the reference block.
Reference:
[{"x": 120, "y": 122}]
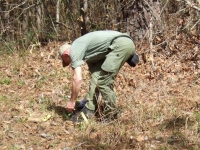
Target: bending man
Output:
[{"x": 105, "y": 52}]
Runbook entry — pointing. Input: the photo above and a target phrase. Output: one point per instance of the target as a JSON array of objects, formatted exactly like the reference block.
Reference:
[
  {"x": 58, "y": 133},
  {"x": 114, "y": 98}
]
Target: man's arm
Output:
[{"x": 76, "y": 85}]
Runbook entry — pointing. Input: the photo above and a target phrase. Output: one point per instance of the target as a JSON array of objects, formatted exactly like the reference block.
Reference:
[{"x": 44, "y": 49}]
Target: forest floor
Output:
[{"x": 160, "y": 102}]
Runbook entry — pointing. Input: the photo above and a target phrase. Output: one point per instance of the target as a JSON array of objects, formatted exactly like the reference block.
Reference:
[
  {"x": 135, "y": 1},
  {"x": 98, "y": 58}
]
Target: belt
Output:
[{"x": 120, "y": 36}]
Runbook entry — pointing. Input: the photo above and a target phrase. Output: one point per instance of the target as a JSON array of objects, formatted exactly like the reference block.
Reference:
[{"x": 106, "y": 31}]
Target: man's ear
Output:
[{"x": 66, "y": 52}]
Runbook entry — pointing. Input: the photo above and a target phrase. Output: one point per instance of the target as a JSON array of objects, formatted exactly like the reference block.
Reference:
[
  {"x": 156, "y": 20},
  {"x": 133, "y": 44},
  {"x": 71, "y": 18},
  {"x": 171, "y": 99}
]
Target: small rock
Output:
[{"x": 47, "y": 136}]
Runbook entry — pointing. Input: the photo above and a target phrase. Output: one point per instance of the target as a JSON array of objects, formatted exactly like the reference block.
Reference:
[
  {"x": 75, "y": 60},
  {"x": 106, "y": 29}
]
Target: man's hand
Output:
[
  {"x": 70, "y": 106},
  {"x": 76, "y": 85}
]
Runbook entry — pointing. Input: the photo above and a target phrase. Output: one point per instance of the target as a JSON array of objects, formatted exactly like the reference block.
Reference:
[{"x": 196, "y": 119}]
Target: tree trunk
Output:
[
  {"x": 83, "y": 16},
  {"x": 6, "y": 30},
  {"x": 40, "y": 16},
  {"x": 137, "y": 17},
  {"x": 25, "y": 19},
  {"x": 40, "y": 23},
  {"x": 2, "y": 16},
  {"x": 57, "y": 14}
]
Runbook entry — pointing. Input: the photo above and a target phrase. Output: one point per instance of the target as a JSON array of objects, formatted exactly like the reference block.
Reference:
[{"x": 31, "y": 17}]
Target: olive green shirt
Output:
[{"x": 91, "y": 47}]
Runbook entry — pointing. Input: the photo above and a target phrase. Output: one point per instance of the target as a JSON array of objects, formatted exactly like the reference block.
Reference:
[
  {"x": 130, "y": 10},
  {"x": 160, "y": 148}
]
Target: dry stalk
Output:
[
  {"x": 153, "y": 13},
  {"x": 191, "y": 4},
  {"x": 22, "y": 3},
  {"x": 151, "y": 43}
]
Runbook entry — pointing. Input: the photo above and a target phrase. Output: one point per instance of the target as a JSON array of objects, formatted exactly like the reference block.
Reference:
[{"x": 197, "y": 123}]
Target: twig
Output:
[
  {"x": 191, "y": 4},
  {"x": 195, "y": 24},
  {"x": 164, "y": 6},
  {"x": 79, "y": 145},
  {"x": 50, "y": 19},
  {"x": 21, "y": 12},
  {"x": 53, "y": 25},
  {"x": 7, "y": 45},
  {"x": 151, "y": 42},
  {"x": 22, "y": 3},
  {"x": 65, "y": 25},
  {"x": 187, "y": 25},
  {"x": 161, "y": 43},
  {"x": 153, "y": 12}
]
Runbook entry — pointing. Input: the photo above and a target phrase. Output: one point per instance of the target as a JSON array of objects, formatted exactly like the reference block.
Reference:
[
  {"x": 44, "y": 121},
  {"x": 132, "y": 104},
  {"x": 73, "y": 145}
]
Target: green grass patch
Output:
[
  {"x": 3, "y": 98},
  {"x": 5, "y": 81},
  {"x": 20, "y": 83}
]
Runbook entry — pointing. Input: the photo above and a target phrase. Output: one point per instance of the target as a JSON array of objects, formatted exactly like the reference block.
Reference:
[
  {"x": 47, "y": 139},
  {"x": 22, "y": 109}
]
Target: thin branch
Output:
[
  {"x": 195, "y": 24},
  {"x": 151, "y": 42},
  {"x": 22, "y": 3},
  {"x": 164, "y": 7},
  {"x": 190, "y": 4},
  {"x": 154, "y": 14},
  {"x": 21, "y": 12},
  {"x": 65, "y": 25}
]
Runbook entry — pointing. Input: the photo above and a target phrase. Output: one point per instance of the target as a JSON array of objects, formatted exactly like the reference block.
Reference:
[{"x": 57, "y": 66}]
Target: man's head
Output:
[{"x": 64, "y": 54}]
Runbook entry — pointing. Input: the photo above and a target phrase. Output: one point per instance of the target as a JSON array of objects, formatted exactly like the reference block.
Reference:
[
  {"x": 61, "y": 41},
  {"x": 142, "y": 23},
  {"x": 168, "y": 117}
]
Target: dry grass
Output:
[{"x": 160, "y": 107}]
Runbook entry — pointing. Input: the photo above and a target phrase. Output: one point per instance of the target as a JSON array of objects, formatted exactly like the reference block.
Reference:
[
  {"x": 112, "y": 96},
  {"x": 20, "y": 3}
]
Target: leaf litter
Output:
[{"x": 160, "y": 106}]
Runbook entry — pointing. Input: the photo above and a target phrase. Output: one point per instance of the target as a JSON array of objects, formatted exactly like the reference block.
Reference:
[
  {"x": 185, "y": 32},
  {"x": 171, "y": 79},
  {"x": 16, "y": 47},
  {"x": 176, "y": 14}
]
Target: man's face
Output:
[{"x": 66, "y": 58}]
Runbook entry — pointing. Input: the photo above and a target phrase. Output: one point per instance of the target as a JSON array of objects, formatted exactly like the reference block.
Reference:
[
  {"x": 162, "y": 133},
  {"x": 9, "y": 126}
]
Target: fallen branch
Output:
[
  {"x": 195, "y": 24},
  {"x": 190, "y": 4}
]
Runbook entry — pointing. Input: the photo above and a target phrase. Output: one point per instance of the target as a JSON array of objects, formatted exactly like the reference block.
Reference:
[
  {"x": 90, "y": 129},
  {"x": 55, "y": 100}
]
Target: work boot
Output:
[
  {"x": 81, "y": 104},
  {"x": 77, "y": 117}
]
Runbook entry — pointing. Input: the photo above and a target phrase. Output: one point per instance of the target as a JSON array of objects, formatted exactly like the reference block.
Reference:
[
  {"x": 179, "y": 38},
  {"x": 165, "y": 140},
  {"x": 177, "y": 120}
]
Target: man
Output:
[{"x": 105, "y": 52}]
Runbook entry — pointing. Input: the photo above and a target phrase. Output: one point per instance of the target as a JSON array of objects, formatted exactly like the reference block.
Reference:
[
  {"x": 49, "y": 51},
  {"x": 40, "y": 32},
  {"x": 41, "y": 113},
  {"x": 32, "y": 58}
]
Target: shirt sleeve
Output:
[
  {"x": 77, "y": 53},
  {"x": 77, "y": 64}
]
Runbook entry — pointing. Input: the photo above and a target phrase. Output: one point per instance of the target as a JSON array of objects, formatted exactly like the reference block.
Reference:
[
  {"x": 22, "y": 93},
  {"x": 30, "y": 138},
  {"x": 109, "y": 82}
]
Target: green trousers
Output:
[{"x": 104, "y": 72}]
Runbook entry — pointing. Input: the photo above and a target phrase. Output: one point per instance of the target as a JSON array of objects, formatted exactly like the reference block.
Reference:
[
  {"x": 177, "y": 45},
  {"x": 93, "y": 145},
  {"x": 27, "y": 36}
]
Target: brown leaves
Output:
[
  {"x": 148, "y": 99},
  {"x": 141, "y": 138}
]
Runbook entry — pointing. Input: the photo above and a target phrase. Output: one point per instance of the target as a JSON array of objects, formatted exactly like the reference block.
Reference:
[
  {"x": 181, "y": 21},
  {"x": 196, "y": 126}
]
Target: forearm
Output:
[{"x": 76, "y": 85}]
